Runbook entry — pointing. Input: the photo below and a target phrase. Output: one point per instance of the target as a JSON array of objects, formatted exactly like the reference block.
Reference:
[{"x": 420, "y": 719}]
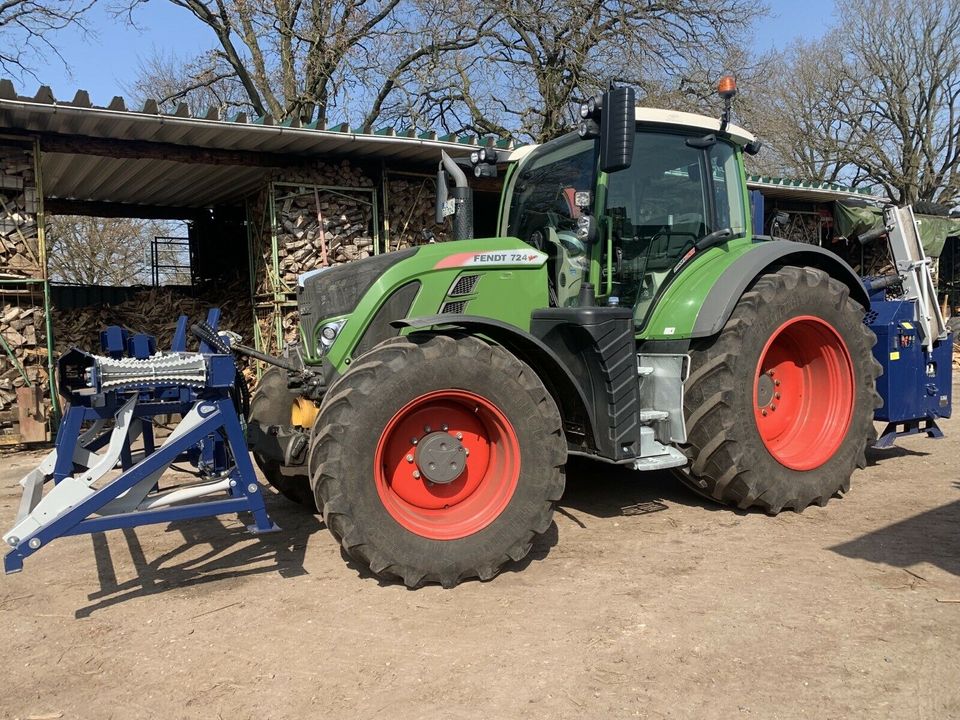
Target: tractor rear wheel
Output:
[
  {"x": 779, "y": 405},
  {"x": 274, "y": 404},
  {"x": 437, "y": 459}
]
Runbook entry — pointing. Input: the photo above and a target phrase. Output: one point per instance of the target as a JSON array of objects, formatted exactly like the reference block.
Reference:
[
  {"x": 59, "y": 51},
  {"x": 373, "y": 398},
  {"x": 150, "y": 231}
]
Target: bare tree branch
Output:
[
  {"x": 882, "y": 110},
  {"x": 28, "y": 30}
]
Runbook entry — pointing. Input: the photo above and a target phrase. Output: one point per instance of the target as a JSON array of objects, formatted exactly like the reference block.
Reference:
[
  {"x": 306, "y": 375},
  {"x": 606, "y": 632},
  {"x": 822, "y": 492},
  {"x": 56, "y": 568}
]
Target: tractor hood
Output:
[
  {"x": 347, "y": 309},
  {"x": 335, "y": 291}
]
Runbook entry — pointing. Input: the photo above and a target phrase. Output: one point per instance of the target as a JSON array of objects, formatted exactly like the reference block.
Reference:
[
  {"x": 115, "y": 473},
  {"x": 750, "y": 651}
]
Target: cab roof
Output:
[{"x": 657, "y": 116}]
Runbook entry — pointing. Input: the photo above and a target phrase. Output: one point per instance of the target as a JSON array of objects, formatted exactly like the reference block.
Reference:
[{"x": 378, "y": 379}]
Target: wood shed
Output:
[{"x": 262, "y": 201}]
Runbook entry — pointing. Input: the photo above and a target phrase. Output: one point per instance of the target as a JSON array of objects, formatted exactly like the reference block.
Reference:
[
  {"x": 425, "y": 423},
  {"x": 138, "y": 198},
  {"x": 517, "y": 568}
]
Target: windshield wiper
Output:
[
  {"x": 701, "y": 244},
  {"x": 714, "y": 238},
  {"x": 702, "y": 143}
]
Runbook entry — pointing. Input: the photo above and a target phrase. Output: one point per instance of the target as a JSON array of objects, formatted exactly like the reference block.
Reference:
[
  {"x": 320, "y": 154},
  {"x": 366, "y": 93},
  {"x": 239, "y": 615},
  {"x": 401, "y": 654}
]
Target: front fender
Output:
[{"x": 562, "y": 385}]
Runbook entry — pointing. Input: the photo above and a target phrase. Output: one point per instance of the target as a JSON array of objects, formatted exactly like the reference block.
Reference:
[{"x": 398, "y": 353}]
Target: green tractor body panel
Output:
[
  {"x": 675, "y": 313},
  {"x": 510, "y": 283}
]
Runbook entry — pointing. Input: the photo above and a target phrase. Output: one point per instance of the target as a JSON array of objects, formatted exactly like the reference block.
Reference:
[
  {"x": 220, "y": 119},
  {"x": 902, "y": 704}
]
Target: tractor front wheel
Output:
[
  {"x": 437, "y": 459},
  {"x": 780, "y": 405},
  {"x": 274, "y": 404}
]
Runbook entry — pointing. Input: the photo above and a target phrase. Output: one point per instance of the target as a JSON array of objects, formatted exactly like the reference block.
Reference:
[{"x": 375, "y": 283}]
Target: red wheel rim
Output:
[
  {"x": 803, "y": 393},
  {"x": 480, "y": 491}
]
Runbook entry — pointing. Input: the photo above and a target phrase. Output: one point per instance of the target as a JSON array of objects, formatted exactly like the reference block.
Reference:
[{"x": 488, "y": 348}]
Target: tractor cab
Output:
[{"x": 628, "y": 231}]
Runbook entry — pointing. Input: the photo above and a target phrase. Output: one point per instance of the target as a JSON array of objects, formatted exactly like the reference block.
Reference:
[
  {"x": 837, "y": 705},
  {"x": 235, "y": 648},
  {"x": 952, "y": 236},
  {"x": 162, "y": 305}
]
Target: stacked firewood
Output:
[
  {"x": 319, "y": 228},
  {"x": 290, "y": 322},
  {"x": 411, "y": 211},
  {"x": 23, "y": 330},
  {"x": 19, "y": 244},
  {"x": 314, "y": 227},
  {"x": 153, "y": 311}
]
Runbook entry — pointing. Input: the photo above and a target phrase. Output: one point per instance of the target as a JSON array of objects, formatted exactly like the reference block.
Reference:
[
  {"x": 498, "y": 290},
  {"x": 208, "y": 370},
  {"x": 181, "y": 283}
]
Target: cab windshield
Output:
[
  {"x": 678, "y": 190},
  {"x": 545, "y": 188},
  {"x": 543, "y": 211},
  {"x": 672, "y": 195}
]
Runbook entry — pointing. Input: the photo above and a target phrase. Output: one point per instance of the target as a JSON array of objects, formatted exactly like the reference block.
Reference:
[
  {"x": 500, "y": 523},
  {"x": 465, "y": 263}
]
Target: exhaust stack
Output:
[{"x": 457, "y": 202}]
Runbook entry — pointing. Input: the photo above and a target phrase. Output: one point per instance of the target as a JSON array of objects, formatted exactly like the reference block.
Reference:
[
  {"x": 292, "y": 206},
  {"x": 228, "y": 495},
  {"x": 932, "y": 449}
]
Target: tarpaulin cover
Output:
[{"x": 934, "y": 229}]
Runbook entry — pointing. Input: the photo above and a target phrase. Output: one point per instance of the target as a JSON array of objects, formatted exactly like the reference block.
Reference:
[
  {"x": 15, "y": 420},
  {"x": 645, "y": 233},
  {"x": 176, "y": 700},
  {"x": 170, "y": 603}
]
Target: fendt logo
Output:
[
  {"x": 505, "y": 257},
  {"x": 494, "y": 258}
]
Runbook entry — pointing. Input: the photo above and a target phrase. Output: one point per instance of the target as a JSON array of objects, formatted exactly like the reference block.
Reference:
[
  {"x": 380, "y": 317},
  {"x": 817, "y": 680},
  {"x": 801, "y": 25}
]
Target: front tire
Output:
[
  {"x": 779, "y": 405},
  {"x": 272, "y": 404},
  {"x": 437, "y": 459}
]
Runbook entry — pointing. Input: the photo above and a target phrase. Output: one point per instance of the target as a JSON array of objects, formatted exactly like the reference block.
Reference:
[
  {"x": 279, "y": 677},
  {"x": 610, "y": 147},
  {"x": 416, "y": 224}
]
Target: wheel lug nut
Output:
[
  {"x": 444, "y": 427},
  {"x": 776, "y": 382},
  {"x": 466, "y": 452},
  {"x": 777, "y": 395},
  {"x": 763, "y": 412},
  {"x": 409, "y": 458},
  {"x": 459, "y": 436},
  {"x": 414, "y": 441},
  {"x": 426, "y": 428},
  {"x": 773, "y": 407},
  {"x": 416, "y": 474}
]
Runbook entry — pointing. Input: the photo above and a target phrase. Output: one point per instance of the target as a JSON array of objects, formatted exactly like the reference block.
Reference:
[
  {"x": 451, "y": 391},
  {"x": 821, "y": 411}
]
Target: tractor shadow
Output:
[
  {"x": 229, "y": 553},
  {"x": 603, "y": 490},
  {"x": 594, "y": 490},
  {"x": 932, "y": 537}
]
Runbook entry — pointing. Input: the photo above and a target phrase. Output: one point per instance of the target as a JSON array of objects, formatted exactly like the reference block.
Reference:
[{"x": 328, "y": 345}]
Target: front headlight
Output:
[{"x": 329, "y": 333}]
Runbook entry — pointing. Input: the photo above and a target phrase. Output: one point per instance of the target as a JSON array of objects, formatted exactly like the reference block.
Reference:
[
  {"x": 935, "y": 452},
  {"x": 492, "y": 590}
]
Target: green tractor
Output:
[{"x": 626, "y": 312}]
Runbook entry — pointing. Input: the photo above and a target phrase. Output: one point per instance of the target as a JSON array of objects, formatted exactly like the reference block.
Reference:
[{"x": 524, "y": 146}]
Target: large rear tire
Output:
[
  {"x": 272, "y": 404},
  {"x": 437, "y": 459},
  {"x": 779, "y": 405}
]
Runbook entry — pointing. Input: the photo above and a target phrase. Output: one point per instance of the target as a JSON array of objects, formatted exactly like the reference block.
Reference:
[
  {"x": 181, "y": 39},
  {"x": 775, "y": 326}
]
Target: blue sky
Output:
[{"x": 103, "y": 64}]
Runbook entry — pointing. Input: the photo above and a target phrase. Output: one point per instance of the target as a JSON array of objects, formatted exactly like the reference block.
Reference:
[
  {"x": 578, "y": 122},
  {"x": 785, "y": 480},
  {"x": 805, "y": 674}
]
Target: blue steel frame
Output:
[{"x": 220, "y": 422}]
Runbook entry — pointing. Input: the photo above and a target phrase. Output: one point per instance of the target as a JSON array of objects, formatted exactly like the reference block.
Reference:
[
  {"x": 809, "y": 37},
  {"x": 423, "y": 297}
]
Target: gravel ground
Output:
[{"x": 641, "y": 601}]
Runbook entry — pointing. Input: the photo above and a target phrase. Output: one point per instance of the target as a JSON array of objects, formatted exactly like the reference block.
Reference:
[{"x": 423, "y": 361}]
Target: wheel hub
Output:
[
  {"x": 440, "y": 457},
  {"x": 447, "y": 464},
  {"x": 764, "y": 390}
]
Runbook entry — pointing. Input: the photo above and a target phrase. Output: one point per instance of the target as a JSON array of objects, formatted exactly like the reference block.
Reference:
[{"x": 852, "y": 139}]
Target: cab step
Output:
[{"x": 650, "y": 415}]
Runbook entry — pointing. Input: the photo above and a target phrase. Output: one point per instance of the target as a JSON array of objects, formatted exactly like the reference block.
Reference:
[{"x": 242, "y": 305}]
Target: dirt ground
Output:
[{"x": 641, "y": 601}]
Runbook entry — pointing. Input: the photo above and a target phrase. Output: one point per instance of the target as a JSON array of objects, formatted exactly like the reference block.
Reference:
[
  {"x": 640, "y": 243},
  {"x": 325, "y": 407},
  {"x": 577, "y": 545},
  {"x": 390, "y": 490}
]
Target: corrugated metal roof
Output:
[
  {"x": 790, "y": 189},
  {"x": 160, "y": 182},
  {"x": 176, "y": 183}
]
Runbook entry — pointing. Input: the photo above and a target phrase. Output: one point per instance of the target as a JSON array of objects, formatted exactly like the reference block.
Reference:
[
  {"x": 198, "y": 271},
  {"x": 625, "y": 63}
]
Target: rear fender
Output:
[
  {"x": 701, "y": 297},
  {"x": 762, "y": 258}
]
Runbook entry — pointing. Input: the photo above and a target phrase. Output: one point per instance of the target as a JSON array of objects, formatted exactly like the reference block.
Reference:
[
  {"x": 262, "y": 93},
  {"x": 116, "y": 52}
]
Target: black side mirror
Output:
[{"x": 618, "y": 127}]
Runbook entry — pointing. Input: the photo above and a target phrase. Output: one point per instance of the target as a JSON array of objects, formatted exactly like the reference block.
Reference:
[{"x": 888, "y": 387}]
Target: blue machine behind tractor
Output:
[
  {"x": 913, "y": 344},
  {"x": 100, "y": 478}
]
